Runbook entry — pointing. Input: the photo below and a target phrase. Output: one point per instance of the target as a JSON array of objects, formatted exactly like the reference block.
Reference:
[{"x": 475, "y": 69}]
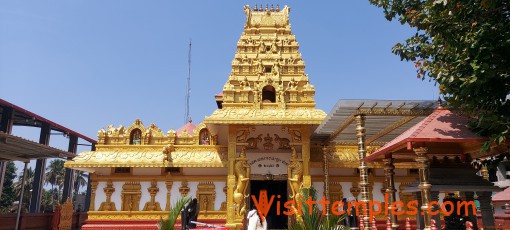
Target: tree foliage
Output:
[
  {"x": 464, "y": 45},
  {"x": 8, "y": 194},
  {"x": 55, "y": 173},
  {"x": 27, "y": 193},
  {"x": 173, "y": 214},
  {"x": 315, "y": 219}
]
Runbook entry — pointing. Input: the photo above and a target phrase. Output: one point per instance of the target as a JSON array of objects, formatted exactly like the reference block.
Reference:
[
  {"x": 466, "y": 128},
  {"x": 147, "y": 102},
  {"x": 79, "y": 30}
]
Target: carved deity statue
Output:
[
  {"x": 276, "y": 68},
  {"x": 274, "y": 48},
  {"x": 260, "y": 67},
  {"x": 295, "y": 173},
  {"x": 247, "y": 11},
  {"x": 262, "y": 47},
  {"x": 242, "y": 173}
]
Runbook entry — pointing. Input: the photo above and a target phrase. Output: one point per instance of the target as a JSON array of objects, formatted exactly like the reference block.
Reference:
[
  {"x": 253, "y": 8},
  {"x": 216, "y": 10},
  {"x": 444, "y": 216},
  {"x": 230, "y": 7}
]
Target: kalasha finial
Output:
[
  {"x": 272, "y": 8},
  {"x": 267, "y": 7},
  {"x": 277, "y": 8},
  {"x": 190, "y": 121},
  {"x": 261, "y": 8},
  {"x": 439, "y": 103},
  {"x": 255, "y": 9}
]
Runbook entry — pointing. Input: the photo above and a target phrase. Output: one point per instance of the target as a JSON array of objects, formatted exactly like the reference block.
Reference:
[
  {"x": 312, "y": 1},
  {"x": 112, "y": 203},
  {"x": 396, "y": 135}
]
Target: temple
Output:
[{"x": 265, "y": 135}]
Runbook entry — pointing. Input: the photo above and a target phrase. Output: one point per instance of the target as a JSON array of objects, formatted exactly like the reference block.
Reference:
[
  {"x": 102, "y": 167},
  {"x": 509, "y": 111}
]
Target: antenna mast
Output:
[{"x": 188, "y": 86}]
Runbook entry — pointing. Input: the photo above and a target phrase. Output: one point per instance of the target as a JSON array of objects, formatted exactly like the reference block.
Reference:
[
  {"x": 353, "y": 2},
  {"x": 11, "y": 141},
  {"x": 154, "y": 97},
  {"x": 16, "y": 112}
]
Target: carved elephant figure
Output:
[
  {"x": 253, "y": 141},
  {"x": 283, "y": 142}
]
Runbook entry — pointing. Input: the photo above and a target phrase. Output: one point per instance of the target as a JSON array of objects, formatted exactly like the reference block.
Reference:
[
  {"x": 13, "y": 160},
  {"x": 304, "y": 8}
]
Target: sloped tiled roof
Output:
[
  {"x": 441, "y": 126},
  {"x": 502, "y": 196}
]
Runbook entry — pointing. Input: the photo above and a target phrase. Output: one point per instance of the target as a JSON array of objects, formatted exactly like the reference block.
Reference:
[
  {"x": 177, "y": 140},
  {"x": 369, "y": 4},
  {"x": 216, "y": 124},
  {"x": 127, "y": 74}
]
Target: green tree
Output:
[
  {"x": 8, "y": 194},
  {"x": 173, "y": 214},
  {"x": 80, "y": 180},
  {"x": 55, "y": 173},
  {"x": 27, "y": 193},
  {"x": 464, "y": 45},
  {"x": 315, "y": 219}
]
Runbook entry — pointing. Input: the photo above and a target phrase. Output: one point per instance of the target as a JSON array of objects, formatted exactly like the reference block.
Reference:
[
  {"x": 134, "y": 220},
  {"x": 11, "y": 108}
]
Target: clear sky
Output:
[{"x": 86, "y": 64}]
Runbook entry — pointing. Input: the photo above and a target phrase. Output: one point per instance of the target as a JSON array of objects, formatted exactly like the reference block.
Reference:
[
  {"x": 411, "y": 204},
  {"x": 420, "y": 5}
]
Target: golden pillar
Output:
[
  {"x": 231, "y": 179},
  {"x": 305, "y": 155},
  {"x": 422, "y": 161},
  {"x": 389, "y": 172},
  {"x": 363, "y": 168},
  {"x": 326, "y": 177},
  {"x": 93, "y": 195},
  {"x": 168, "y": 193}
]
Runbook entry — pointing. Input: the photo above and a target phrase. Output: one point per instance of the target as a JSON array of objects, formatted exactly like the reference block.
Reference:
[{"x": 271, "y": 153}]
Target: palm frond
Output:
[{"x": 173, "y": 213}]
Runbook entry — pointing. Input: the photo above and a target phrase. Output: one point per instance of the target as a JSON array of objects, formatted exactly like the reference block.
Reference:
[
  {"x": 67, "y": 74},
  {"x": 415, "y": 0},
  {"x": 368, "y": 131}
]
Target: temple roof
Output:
[
  {"x": 384, "y": 120},
  {"x": 267, "y": 83},
  {"x": 147, "y": 156},
  {"x": 188, "y": 127},
  {"x": 455, "y": 179},
  {"x": 502, "y": 196},
  {"x": 442, "y": 126}
]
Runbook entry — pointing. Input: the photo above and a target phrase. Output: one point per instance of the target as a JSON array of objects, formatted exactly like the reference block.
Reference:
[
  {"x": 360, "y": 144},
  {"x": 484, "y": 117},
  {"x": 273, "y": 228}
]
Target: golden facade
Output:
[{"x": 260, "y": 132}]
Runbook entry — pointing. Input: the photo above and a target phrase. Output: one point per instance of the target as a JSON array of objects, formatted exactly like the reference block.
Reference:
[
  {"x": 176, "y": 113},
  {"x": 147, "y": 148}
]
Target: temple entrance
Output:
[{"x": 273, "y": 187}]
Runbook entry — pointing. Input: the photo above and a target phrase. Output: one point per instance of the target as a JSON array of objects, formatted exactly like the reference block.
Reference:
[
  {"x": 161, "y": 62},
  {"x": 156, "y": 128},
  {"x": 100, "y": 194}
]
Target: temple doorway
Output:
[{"x": 273, "y": 187}]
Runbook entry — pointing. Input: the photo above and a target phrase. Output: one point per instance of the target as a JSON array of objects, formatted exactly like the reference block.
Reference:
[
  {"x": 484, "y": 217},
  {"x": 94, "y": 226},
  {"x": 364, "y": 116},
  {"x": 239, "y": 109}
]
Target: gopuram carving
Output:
[
  {"x": 242, "y": 174},
  {"x": 131, "y": 195},
  {"x": 152, "y": 205},
  {"x": 295, "y": 173},
  {"x": 108, "y": 205},
  {"x": 267, "y": 84}
]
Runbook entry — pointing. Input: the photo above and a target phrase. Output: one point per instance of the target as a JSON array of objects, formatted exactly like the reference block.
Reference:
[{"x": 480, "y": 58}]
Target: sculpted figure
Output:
[
  {"x": 260, "y": 67},
  {"x": 284, "y": 143},
  {"x": 295, "y": 173},
  {"x": 242, "y": 173},
  {"x": 252, "y": 141},
  {"x": 262, "y": 47},
  {"x": 274, "y": 48},
  {"x": 247, "y": 11}
]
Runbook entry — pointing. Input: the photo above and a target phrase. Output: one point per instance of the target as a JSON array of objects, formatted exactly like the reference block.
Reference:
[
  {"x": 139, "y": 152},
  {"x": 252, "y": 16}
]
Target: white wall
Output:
[{"x": 100, "y": 195}]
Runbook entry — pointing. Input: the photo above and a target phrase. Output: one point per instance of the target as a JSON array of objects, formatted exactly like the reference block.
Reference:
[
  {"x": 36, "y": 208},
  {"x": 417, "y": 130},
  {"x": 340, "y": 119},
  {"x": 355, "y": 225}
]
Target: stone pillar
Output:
[
  {"x": 363, "y": 168},
  {"x": 434, "y": 196},
  {"x": 485, "y": 199},
  {"x": 69, "y": 174},
  {"x": 389, "y": 172},
  {"x": 40, "y": 171},
  {"x": 423, "y": 167},
  {"x": 469, "y": 197}
]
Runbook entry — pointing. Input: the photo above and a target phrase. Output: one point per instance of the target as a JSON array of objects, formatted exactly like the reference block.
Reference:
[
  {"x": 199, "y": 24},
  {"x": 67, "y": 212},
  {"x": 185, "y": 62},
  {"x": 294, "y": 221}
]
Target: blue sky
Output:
[{"x": 88, "y": 64}]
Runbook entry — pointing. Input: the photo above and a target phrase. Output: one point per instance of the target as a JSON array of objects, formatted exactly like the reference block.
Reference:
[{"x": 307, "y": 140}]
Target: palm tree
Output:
[
  {"x": 79, "y": 181},
  {"x": 29, "y": 181},
  {"x": 55, "y": 173}
]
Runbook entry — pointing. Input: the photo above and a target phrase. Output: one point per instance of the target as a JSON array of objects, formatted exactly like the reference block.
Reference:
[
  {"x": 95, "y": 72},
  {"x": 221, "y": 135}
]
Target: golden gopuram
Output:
[{"x": 265, "y": 135}]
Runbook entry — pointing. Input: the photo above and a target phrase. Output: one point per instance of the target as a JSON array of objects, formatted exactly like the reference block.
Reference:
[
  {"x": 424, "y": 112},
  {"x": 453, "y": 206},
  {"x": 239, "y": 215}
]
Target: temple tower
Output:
[{"x": 267, "y": 99}]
